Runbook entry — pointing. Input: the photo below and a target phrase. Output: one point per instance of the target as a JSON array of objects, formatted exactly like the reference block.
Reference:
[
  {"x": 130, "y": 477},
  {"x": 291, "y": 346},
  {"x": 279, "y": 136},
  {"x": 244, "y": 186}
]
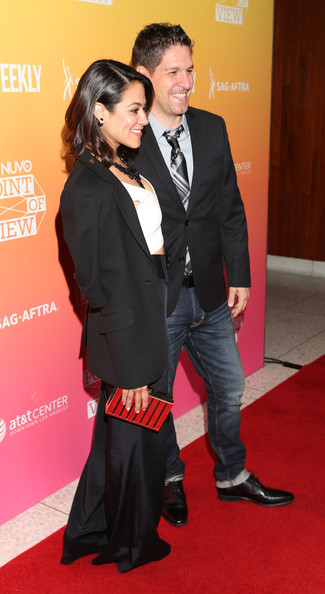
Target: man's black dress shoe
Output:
[
  {"x": 174, "y": 505},
  {"x": 253, "y": 490}
]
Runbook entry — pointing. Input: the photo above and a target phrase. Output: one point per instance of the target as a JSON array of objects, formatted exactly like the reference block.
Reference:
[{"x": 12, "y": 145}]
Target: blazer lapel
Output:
[
  {"x": 198, "y": 157},
  {"x": 129, "y": 213},
  {"x": 121, "y": 196}
]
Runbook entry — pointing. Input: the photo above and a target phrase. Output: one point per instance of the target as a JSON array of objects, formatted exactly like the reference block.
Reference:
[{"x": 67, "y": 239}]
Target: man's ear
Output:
[{"x": 143, "y": 70}]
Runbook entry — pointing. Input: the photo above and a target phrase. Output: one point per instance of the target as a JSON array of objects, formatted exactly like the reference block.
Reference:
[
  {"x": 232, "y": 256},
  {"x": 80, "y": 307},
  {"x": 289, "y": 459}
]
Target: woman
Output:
[{"x": 111, "y": 221}]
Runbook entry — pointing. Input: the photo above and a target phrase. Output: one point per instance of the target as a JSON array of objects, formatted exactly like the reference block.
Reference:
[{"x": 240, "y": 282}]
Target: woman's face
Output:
[{"x": 124, "y": 125}]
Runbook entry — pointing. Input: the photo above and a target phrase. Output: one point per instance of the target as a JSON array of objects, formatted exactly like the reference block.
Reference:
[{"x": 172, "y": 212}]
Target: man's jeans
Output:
[{"x": 209, "y": 340}]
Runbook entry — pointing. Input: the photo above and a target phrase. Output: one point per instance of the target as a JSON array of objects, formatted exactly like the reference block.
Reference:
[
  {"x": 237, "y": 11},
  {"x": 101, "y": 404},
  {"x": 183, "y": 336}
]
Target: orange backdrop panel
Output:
[{"x": 48, "y": 398}]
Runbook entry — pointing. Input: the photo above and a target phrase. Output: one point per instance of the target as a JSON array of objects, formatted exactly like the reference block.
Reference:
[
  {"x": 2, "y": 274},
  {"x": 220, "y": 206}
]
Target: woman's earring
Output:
[{"x": 100, "y": 121}]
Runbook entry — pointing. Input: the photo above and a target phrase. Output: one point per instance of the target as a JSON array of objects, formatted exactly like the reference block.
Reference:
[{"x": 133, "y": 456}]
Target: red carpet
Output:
[{"x": 236, "y": 548}]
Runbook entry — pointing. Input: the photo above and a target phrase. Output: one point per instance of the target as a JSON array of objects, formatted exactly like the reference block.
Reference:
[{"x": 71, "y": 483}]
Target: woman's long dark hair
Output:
[{"x": 104, "y": 82}]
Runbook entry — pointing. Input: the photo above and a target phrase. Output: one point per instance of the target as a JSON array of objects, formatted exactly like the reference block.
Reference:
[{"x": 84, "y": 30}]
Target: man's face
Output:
[{"x": 173, "y": 82}]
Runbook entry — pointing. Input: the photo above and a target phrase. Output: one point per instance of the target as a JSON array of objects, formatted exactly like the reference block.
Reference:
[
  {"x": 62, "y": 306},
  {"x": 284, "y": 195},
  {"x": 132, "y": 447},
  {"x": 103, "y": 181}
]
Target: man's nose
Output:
[{"x": 185, "y": 79}]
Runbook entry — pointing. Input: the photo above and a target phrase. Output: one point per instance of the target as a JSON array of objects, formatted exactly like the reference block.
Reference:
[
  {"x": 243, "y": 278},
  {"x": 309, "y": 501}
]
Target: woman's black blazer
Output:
[{"x": 127, "y": 339}]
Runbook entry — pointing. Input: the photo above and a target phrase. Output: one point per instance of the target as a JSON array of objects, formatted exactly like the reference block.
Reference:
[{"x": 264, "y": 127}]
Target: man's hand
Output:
[
  {"x": 140, "y": 396},
  {"x": 237, "y": 299}
]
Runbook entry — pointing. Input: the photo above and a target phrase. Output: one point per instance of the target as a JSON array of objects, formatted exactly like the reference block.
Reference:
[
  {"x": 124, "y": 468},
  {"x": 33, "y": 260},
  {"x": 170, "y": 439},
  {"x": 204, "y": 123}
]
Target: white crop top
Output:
[{"x": 149, "y": 214}]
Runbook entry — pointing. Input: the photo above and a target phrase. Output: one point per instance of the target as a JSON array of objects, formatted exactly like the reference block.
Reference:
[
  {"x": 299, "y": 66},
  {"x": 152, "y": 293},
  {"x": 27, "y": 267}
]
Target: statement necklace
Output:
[{"x": 129, "y": 170}]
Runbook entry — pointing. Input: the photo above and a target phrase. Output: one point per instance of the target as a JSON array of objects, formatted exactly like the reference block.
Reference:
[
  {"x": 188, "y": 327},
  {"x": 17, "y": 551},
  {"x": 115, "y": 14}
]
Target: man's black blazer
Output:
[
  {"x": 214, "y": 226},
  {"x": 127, "y": 340}
]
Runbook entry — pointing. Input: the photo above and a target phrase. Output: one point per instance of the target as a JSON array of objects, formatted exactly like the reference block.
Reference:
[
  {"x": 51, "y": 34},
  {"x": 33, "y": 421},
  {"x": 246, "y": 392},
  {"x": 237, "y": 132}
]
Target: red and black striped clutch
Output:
[{"x": 153, "y": 417}]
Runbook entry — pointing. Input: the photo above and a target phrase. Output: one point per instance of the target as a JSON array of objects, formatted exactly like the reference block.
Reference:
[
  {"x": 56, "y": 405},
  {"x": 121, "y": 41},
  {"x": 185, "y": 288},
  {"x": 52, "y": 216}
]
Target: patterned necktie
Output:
[
  {"x": 178, "y": 167},
  {"x": 178, "y": 170}
]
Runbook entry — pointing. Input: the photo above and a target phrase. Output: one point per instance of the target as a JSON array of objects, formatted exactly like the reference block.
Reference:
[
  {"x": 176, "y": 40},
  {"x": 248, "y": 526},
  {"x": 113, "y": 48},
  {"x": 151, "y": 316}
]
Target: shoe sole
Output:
[
  {"x": 173, "y": 523},
  {"x": 230, "y": 498}
]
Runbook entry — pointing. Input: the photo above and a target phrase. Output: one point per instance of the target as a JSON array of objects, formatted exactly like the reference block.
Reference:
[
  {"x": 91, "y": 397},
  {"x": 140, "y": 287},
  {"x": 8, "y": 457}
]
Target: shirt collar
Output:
[{"x": 158, "y": 129}]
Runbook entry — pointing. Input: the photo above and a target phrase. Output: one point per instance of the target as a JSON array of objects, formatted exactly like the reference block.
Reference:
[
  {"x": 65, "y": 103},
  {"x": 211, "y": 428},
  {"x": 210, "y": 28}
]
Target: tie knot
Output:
[
  {"x": 178, "y": 131},
  {"x": 172, "y": 139}
]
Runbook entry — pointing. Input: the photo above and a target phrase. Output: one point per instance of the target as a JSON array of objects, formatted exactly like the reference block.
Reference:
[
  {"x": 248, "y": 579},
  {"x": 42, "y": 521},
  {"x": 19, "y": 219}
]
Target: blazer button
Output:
[
  {"x": 187, "y": 221},
  {"x": 181, "y": 258}
]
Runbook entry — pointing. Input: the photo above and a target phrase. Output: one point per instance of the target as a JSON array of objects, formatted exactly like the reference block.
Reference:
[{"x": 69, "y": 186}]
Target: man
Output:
[{"x": 185, "y": 154}]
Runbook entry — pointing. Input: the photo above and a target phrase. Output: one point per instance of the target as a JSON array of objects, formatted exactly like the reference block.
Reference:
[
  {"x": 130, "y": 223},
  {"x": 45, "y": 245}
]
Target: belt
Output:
[{"x": 188, "y": 281}]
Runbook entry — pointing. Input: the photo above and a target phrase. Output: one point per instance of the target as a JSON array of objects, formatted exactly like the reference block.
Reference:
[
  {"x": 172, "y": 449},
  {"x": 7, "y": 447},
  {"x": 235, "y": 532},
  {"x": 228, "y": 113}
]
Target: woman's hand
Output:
[{"x": 140, "y": 396}]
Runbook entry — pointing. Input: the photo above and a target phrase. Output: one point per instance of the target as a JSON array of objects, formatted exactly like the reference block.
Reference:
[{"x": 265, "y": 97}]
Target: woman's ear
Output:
[{"x": 99, "y": 113}]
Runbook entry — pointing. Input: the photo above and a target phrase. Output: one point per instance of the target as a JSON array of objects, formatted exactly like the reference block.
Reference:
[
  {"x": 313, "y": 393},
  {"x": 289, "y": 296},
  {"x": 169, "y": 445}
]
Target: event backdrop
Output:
[{"x": 48, "y": 398}]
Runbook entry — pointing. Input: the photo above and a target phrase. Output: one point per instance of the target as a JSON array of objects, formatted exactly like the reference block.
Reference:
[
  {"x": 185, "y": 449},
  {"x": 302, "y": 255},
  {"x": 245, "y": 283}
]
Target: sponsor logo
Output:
[
  {"x": 232, "y": 86},
  {"x": 237, "y": 324},
  {"x": 225, "y": 86},
  {"x": 92, "y": 386},
  {"x": 212, "y": 84},
  {"x": 69, "y": 82},
  {"x": 22, "y": 201},
  {"x": 106, "y": 2},
  {"x": 92, "y": 408},
  {"x": 27, "y": 315},
  {"x": 3, "y": 430},
  {"x": 90, "y": 380},
  {"x": 20, "y": 78},
  {"x": 194, "y": 79},
  {"x": 30, "y": 418},
  {"x": 243, "y": 168},
  {"x": 232, "y": 12}
]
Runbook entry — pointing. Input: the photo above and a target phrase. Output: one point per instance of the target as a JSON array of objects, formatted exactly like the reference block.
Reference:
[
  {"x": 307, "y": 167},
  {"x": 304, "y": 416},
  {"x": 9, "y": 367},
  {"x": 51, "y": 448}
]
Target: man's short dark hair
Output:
[{"x": 152, "y": 42}]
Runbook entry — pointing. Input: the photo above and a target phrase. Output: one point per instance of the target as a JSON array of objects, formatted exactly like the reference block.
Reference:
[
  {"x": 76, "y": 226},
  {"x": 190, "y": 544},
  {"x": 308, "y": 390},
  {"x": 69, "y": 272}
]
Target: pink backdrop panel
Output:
[{"x": 47, "y": 396}]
